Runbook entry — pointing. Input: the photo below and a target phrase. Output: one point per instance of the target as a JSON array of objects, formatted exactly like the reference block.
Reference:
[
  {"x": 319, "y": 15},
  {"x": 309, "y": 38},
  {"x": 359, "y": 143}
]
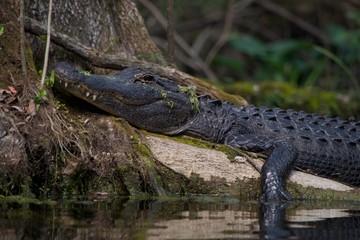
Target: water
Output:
[{"x": 198, "y": 218}]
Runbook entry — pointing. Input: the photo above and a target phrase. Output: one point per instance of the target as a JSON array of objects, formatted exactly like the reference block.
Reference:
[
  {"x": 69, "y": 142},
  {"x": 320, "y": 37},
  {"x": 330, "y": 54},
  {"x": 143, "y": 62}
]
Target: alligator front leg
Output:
[
  {"x": 276, "y": 168},
  {"x": 275, "y": 171}
]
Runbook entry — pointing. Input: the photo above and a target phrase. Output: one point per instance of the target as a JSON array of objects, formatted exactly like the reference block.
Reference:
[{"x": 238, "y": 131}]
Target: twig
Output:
[
  {"x": 46, "y": 58},
  {"x": 268, "y": 5},
  {"x": 22, "y": 50},
  {"x": 229, "y": 17},
  {"x": 180, "y": 41},
  {"x": 170, "y": 32}
]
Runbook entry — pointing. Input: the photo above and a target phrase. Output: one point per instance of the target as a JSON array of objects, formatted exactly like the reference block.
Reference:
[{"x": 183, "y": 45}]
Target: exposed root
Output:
[{"x": 64, "y": 134}]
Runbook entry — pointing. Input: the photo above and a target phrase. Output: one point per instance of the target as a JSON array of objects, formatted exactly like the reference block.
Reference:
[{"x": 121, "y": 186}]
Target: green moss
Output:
[
  {"x": 287, "y": 96},
  {"x": 230, "y": 152},
  {"x": 311, "y": 193},
  {"x": 146, "y": 157},
  {"x": 247, "y": 189}
]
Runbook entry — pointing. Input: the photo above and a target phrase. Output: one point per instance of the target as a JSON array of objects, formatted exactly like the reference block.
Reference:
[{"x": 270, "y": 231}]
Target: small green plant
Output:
[
  {"x": 49, "y": 80},
  {"x": 296, "y": 61},
  {"x": 193, "y": 98},
  {"x": 43, "y": 37},
  {"x": 40, "y": 98},
  {"x": 41, "y": 94},
  {"x": 170, "y": 104},
  {"x": 86, "y": 73},
  {"x": 154, "y": 57},
  {"x": 163, "y": 94}
]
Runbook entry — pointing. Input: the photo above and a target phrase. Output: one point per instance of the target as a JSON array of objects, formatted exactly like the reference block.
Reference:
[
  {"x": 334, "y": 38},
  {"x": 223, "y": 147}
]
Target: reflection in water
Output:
[
  {"x": 207, "y": 224},
  {"x": 180, "y": 219},
  {"x": 276, "y": 223},
  {"x": 272, "y": 221}
]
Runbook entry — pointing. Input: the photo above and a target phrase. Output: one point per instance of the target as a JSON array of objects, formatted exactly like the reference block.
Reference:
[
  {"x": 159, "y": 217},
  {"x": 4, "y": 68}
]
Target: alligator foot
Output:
[
  {"x": 275, "y": 193},
  {"x": 276, "y": 169}
]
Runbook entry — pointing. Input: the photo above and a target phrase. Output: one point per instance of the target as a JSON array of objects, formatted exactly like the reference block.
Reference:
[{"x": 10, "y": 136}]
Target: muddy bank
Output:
[{"x": 77, "y": 150}]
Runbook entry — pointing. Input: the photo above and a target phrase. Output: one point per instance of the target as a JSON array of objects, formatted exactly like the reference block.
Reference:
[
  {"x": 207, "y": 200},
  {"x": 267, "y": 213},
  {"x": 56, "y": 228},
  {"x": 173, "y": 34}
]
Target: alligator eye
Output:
[{"x": 144, "y": 77}]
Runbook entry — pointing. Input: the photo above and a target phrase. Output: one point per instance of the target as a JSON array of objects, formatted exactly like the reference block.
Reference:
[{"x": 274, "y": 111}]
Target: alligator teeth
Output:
[
  {"x": 60, "y": 81},
  {"x": 87, "y": 94},
  {"x": 94, "y": 97},
  {"x": 66, "y": 84},
  {"x": 78, "y": 86}
]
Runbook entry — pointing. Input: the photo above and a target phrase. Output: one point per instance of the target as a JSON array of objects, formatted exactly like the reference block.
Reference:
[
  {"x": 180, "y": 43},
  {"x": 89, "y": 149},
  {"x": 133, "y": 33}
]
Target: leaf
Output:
[
  {"x": 340, "y": 63},
  {"x": 2, "y": 28},
  {"x": 249, "y": 45},
  {"x": 31, "y": 109},
  {"x": 12, "y": 89},
  {"x": 288, "y": 46},
  {"x": 50, "y": 79}
]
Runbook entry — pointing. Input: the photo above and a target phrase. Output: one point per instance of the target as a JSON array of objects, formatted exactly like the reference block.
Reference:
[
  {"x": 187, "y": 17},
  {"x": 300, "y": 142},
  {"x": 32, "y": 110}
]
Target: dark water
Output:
[{"x": 180, "y": 219}]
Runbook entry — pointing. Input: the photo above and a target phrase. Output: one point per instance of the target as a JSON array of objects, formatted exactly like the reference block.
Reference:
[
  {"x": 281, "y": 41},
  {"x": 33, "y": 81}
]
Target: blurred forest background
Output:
[{"x": 292, "y": 54}]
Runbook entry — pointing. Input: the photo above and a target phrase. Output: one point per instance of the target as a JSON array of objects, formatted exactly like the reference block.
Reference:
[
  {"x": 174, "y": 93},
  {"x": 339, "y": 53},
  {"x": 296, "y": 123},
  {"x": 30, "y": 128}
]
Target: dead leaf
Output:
[
  {"x": 12, "y": 89},
  {"x": 31, "y": 108}
]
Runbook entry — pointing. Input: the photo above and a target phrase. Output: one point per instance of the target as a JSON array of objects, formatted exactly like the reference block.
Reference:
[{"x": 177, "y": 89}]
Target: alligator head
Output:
[{"x": 145, "y": 100}]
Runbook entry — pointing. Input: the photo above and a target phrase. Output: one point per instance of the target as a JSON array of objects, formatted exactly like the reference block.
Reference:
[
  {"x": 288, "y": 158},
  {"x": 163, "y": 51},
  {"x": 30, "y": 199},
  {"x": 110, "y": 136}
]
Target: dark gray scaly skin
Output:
[{"x": 329, "y": 147}]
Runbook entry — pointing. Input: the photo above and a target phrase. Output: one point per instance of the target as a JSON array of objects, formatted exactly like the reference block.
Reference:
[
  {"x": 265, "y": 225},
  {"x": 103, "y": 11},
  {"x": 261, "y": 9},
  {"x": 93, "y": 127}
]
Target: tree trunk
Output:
[
  {"x": 13, "y": 155},
  {"x": 10, "y": 59},
  {"x": 110, "y": 27}
]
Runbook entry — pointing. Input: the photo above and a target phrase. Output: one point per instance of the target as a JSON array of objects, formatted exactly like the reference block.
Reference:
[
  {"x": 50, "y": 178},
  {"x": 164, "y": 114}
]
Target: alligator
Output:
[{"x": 322, "y": 145}]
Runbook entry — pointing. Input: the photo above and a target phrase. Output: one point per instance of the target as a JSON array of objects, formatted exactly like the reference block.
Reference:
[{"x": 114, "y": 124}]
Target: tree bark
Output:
[
  {"x": 10, "y": 55},
  {"x": 110, "y": 27}
]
